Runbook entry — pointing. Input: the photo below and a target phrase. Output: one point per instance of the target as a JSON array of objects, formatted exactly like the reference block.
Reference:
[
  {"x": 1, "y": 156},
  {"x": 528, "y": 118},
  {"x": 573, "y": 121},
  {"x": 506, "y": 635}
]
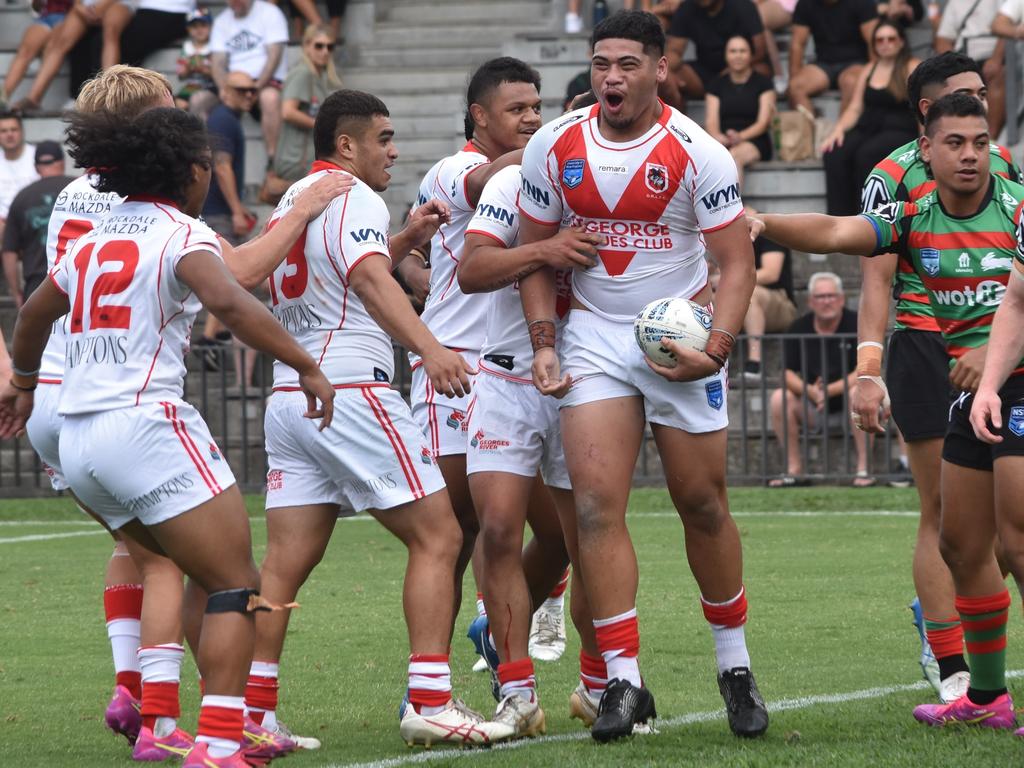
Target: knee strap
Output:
[{"x": 243, "y": 600}]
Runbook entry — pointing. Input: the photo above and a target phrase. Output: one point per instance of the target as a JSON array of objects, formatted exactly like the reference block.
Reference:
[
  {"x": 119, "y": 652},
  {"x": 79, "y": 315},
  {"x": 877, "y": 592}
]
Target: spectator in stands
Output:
[
  {"x": 17, "y": 166},
  {"x": 305, "y": 13},
  {"x": 250, "y": 36},
  {"x": 842, "y": 32},
  {"x": 710, "y": 24},
  {"x": 776, "y": 15},
  {"x": 155, "y": 24},
  {"x": 874, "y": 122},
  {"x": 224, "y": 210},
  {"x": 24, "y": 238},
  {"x": 740, "y": 104},
  {"x": 573, "y": 19},
  {"x": 665, "y": 10},
  {"x": 198, "y": 92},
  {"x": 83, "y": 16},
  {"x": 968, "y": 27},
  {"x": 902, "y": 12},
  {"x": 772, "y": 308},
  {"x": 817, "y": 376},
  {"x": 308, "y": 83},
  {"x": 51, "y": 13}
]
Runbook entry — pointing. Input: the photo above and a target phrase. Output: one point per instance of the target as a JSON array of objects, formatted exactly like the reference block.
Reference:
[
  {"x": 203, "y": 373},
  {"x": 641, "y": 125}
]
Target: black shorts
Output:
[
  {"x": 335, "y": 9},
  {"x": 917, "y": 375},
  {"x": 965, "y": 450},
  {"x": 833, "y": 70}
]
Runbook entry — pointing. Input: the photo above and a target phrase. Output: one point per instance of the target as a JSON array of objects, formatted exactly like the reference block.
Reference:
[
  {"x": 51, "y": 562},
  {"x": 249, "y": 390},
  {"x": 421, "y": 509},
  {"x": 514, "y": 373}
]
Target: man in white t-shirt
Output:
[
  {"x": 250, "y": 36},
  {"x": 17, "y": 166},
  {"x": 661, "y": 192},
  {"x": 966, "y": 26}
]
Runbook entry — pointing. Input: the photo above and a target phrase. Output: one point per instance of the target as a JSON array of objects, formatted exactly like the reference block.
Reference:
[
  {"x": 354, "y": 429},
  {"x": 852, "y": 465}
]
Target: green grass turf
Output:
[{"x": 828, "y": 594}]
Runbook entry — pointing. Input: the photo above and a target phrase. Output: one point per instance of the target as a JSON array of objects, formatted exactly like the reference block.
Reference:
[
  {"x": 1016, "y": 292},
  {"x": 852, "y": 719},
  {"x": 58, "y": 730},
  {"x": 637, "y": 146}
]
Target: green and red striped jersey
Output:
[
  {"x": 904, "y": 177},
  {"x": 963, "y": 263}
]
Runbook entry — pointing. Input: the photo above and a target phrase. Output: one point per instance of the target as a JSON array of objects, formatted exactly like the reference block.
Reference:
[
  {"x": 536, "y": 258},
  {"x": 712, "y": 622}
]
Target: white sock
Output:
[
  {"x": 221, "y": 747},
  {"x": 730, "y": 647},
  {"x": 124, "y": 643},
  {"x": 269, "y": 670}
]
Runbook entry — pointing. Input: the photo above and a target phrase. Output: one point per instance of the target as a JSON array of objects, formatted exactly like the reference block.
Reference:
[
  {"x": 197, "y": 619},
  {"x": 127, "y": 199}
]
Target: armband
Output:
[
  {"x": 23, "y": 389},
  {"x": 542, "y": 334},
  {"x": 719, "y": 345},
  {"x": 18, "y": 372},
  {"x": 869, "y": 359}
]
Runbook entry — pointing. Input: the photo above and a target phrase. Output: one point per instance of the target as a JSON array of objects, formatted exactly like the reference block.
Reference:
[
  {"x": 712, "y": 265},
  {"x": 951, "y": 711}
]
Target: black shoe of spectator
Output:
[
  {"x": 622, "y": 706},
  {"x": 209, "y": 352},
  {"x": 901, "y": 477},
  {"x": 743, "y": 703},
  {"x": 752, "y": 370}
]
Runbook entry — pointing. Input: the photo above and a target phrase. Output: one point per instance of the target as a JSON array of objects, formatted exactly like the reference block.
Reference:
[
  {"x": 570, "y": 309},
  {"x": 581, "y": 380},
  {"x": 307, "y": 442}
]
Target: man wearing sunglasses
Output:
[{"x": 224, "y": 211}]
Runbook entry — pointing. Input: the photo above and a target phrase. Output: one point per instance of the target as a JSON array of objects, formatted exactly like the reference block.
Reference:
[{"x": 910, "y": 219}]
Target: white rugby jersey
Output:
[
  {"x": 507, "y": 351},
  {"x": 310, "y": 289},
  {"x": 131, "y": 317},
  {"x": 651, "y": 198},
  {"x": 76, "y": 211},
  {"x": 455, "y": 318}
]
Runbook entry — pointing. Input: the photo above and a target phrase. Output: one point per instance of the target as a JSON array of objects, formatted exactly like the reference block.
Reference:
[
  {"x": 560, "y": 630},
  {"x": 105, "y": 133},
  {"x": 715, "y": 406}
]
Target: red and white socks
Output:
[
  {"x": 517, "y": 679},
  {"x": 555, "y": 602},
  {"x": 618, "y": 638},
  {"x": 430, "y": 682},
  {"x": 122, "y": 604},
  {"x": 593, "y": 675},
  {"x": 480, "y": 609},
  {"x": 261, "y": 693},
  {"x": 161, "y": 675},
  {"x": 220, "y": 724},
  {"x": 727, "y": 620}
]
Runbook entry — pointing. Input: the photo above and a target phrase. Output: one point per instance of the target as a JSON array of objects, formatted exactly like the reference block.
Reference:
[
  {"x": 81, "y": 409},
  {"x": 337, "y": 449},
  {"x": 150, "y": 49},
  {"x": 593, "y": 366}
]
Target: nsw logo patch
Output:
[
  {"x": 572, "y": 172},
  {"x": 930, "y": 260},
  {"x": 715, "y": 393},
  {"x": 1016, "y": 421}
]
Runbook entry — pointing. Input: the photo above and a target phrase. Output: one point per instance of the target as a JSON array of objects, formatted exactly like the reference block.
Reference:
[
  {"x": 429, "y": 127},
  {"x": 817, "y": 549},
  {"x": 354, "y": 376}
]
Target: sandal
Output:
[
  {"x": 789, "y": 481},
  {"x": 864, "y": 480}
]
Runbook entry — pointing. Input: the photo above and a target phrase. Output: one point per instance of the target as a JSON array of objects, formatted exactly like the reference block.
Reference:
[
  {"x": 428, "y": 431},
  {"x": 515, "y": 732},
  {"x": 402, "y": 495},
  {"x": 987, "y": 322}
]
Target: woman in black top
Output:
[
  {"x": 740, "y": 104},
  {"x": 876, "y": 121}
]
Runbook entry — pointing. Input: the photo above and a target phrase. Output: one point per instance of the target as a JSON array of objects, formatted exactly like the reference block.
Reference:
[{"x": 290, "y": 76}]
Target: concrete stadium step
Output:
[
  {"x": 390, "y": 34},
  {"x": 456, "y": 14},
  {"x": 466, "y": 56}
]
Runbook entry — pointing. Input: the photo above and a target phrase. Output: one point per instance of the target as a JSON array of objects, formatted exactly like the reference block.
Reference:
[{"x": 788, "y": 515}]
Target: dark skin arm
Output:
[{"x": 487, "y": 265}]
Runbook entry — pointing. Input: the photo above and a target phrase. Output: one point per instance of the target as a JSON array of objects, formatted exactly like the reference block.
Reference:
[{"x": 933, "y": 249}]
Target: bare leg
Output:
[
  {"x": 788, "y": 426},
  {"x": 63, "y": 38},
  {"x": 755, "y": 322},
  {"x": 32, "y": 44},
  {"x": 809, "y": 81},
  {"x": 270, "y": 117},
  {"x": 932, "y": 579},
  {"x": 115, "y": 20},
  {"x": 453, "y": 469},
  {"x": 545, "y": 556},
  {"x": 968, "y": 530}
]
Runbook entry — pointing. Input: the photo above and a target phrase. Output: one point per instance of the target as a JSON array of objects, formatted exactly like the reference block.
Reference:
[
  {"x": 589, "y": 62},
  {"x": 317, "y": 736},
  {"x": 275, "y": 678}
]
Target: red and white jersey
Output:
[
  {"x": 77, "y": 209},
  {"x": 131, "y": 317},
  {"x": 455, "y": 319},
  {"x": 506, "y": 351},
  {"x": 310, "y": 289},
  {"x": 652, "y": 199}
]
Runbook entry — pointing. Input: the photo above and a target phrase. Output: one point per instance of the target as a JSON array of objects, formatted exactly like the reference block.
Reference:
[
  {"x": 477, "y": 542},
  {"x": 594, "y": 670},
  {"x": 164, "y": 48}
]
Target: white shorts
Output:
[
  {"x": 373, "y": 456},
  {"x": 605, "y": 362},
  {"x": 444, "y": 420},
  {"x": 151, "y": 462},
  {"x": 514, "y": 428},
  {"x": 43, "y": 429}
]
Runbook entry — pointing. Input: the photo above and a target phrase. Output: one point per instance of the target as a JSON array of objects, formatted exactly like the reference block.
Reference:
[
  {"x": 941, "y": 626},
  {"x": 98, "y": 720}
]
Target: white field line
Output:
[
  {"x": 83, "y": 521},
  {"x": 48, "y": 536},
  {"x": 783, "y": 705}
]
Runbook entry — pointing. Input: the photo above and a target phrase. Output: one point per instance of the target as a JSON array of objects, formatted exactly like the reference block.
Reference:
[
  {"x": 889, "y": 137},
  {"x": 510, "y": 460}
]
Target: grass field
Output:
[{"x": 827, "y": 573}]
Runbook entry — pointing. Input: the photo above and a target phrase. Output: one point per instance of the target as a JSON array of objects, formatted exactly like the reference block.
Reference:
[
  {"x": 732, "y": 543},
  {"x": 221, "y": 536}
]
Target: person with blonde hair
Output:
[{"x": 308, "y": 83}]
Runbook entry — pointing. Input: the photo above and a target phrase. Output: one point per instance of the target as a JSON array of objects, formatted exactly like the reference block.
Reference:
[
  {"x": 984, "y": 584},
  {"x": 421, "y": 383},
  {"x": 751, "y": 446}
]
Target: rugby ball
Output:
[{"x": 681, "y": 320}]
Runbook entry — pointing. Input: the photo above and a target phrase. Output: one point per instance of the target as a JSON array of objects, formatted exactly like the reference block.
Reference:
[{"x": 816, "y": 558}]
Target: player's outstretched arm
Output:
[
  {"x": 1005, "y": 349},
  {"x": 387, "y": 304},
  {"x": 487, "y": 265},
  {"x": 869, "y": 398},
  {"x": 252, "y": 323},
  {"x": 538, "y": 295},
  {"x": 255, "y": 261},
  {"x": 818, "y": 233},
  {"x": 44, "y": 307}
]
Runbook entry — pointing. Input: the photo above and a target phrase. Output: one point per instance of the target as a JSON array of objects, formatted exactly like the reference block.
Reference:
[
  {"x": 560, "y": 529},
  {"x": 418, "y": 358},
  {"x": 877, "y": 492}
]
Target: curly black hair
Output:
[
  {"x": 150, "y": 155},
  {"x": 639, "y": 26},
  {"x": 952, "y": 105}
]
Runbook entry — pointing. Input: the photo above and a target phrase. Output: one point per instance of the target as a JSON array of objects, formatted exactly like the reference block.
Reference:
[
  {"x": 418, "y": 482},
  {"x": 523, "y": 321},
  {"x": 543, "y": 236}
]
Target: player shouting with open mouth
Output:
[{"x": 661, "y": 192}]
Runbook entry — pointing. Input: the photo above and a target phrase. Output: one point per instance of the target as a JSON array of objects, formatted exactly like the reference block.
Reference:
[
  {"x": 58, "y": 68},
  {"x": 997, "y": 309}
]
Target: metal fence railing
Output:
[{"x": 234, "y": 412}]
